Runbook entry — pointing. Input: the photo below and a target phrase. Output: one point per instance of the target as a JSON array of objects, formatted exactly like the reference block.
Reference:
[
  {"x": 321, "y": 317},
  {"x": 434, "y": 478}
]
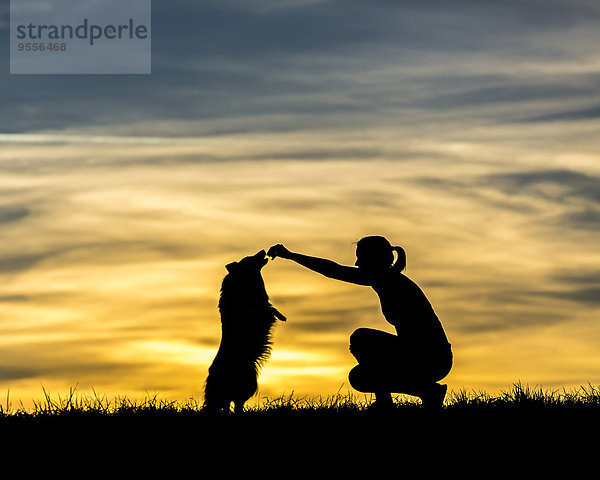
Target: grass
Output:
[
  {"x": 534, "y": 426},
  {"x": 519, "y": 401}
]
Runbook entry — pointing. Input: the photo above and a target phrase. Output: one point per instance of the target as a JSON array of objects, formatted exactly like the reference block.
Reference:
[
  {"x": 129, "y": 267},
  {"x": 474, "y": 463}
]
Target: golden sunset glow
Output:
[{"x": 112, "y": 276}]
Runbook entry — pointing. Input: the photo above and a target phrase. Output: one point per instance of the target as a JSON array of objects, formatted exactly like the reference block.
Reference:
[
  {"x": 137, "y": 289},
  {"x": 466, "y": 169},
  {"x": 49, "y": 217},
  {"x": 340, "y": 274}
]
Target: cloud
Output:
[
  {"x": 583, "y": 219},
  {"x": 17, "y": 372},
  {"x": 556, "y": 197},
  {"x": 324, "y": 64},
  {"x": 580, "y": 287},
  {"x": 13, "y": 263},
  {"x": 507, "y": 90},
  {"x": 576, "y": 195},
  {"x": 14, "y": 298},
  {"x": 577, "y": 277},
  {"x": 557, "y": 184},
  {"x": 10, "y": 214},
  {"x": 62, "y": 359},
  {"x": 589, "y": 113},
  {"x": 581, "y": 296},
  {"x": 510, "y": 322}
]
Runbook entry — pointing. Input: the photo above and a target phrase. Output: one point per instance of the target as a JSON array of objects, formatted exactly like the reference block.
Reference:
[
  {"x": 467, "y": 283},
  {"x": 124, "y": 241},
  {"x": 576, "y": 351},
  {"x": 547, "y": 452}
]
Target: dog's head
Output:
[
  {"x": 249, "y": 265},
  {"x": 244, "y": 279}
]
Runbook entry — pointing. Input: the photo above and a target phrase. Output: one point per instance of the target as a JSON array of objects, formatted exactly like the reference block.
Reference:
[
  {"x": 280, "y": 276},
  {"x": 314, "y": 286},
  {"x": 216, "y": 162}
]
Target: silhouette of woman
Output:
[{"x": 414, "y": 360}]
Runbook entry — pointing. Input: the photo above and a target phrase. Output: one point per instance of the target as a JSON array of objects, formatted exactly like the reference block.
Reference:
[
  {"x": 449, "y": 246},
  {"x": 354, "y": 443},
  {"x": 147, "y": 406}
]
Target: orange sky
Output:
[{"x": 113, "y": 257}]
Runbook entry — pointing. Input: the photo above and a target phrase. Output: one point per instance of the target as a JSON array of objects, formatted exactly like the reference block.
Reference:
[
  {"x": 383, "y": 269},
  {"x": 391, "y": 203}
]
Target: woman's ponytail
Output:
[
  {"x": 400, "y": 263},
  {"x": 377, "y": 252}
]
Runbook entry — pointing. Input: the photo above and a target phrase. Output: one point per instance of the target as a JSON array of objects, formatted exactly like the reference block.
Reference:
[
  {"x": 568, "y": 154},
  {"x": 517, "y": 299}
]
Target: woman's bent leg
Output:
[
  {"x": 371, "y": 346},
  {"x": 363, "y": 380},
  {"x": 367, "y": 381},
  {"x": 372, "y": 349},
  {"x": 384, "y": 367}
]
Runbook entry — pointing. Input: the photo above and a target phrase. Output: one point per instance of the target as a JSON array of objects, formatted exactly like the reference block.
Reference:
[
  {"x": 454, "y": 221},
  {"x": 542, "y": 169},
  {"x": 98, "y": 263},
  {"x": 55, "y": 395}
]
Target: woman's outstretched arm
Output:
[{"x": 322, "y": 265}]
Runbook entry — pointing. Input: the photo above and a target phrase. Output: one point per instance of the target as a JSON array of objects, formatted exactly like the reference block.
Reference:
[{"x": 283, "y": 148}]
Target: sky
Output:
[{"x": 466, "y": 132}]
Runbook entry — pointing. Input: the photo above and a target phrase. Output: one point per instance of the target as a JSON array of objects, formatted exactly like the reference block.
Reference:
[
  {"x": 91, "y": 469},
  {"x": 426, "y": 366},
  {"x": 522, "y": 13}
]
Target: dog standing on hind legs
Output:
[{"x": 247, "y": 320}]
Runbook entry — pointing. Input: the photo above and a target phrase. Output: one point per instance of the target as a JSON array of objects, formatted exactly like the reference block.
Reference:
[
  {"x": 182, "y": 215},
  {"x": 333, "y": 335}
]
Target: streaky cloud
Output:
[
  {"x": 11, "y": 214},
  {"x": 589, "y": 113},
  {"x": 583, "y": 295},
  {"x": 61, "y": 139},
  {"x": 569, "y": 183}
]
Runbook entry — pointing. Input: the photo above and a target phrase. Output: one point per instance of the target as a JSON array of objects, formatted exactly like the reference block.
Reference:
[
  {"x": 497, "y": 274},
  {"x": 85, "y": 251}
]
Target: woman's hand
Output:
[{"x": 278, "y": 251}]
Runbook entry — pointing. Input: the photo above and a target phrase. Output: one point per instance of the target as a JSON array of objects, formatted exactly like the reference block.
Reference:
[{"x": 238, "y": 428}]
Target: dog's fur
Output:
[{"x": 247, "y": 319}]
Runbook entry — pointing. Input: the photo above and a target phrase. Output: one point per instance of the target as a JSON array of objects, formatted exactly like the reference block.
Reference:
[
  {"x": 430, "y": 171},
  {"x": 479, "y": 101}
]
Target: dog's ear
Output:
[{"x": 231, "y": 266}]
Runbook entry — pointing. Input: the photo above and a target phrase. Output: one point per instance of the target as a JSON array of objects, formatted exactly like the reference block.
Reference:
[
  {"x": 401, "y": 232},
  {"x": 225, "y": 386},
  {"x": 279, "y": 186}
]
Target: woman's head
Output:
[{"x": 375, "y": 253}]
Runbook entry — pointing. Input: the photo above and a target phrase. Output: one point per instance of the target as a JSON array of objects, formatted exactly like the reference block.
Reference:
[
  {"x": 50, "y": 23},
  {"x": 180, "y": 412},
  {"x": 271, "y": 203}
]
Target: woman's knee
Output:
[
  {"x": 372, "y": 345},
  {"x": 444, "y": 367},
  {"x": 365, "y": 380},
  {"x": 359, "y": 344},
  {"x": 357, "y": 379},
  {"x": 364, "y": 337}
]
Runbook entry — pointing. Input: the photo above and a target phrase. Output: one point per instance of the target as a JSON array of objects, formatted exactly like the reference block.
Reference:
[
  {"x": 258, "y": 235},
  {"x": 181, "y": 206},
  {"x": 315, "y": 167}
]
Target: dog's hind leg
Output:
[
  {"x": 215, "y": 406},
  {"x": 238, "y": 406}
]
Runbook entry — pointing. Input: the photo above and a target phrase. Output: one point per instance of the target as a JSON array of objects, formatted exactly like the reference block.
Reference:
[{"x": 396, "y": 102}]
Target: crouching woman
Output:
[{"x": 419, "y": 355}]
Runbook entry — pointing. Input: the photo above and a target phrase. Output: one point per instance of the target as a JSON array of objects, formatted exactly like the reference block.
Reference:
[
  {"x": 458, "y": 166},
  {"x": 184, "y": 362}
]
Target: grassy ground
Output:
[
  {"x": 521, "y": 432},
  {"x": 520, "y": 401}
]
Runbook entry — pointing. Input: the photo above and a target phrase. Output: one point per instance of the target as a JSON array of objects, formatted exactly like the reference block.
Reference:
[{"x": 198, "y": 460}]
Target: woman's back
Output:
[{"x": 405, "y": 306}]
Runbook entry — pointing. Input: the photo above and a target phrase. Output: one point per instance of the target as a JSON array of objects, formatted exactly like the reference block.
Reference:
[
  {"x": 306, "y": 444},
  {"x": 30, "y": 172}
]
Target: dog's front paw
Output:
[{"x": 279, "y": 315}]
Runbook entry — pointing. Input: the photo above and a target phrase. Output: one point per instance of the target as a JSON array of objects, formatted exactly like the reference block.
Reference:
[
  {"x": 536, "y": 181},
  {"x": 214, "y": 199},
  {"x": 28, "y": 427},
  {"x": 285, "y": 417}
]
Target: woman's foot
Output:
[
  {"x": 433, "y": 398},
  {"x": 383, "y": 401}
]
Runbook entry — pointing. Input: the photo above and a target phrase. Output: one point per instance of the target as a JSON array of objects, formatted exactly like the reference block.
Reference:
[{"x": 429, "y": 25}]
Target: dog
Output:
[{"x": 247, "y": 320}]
